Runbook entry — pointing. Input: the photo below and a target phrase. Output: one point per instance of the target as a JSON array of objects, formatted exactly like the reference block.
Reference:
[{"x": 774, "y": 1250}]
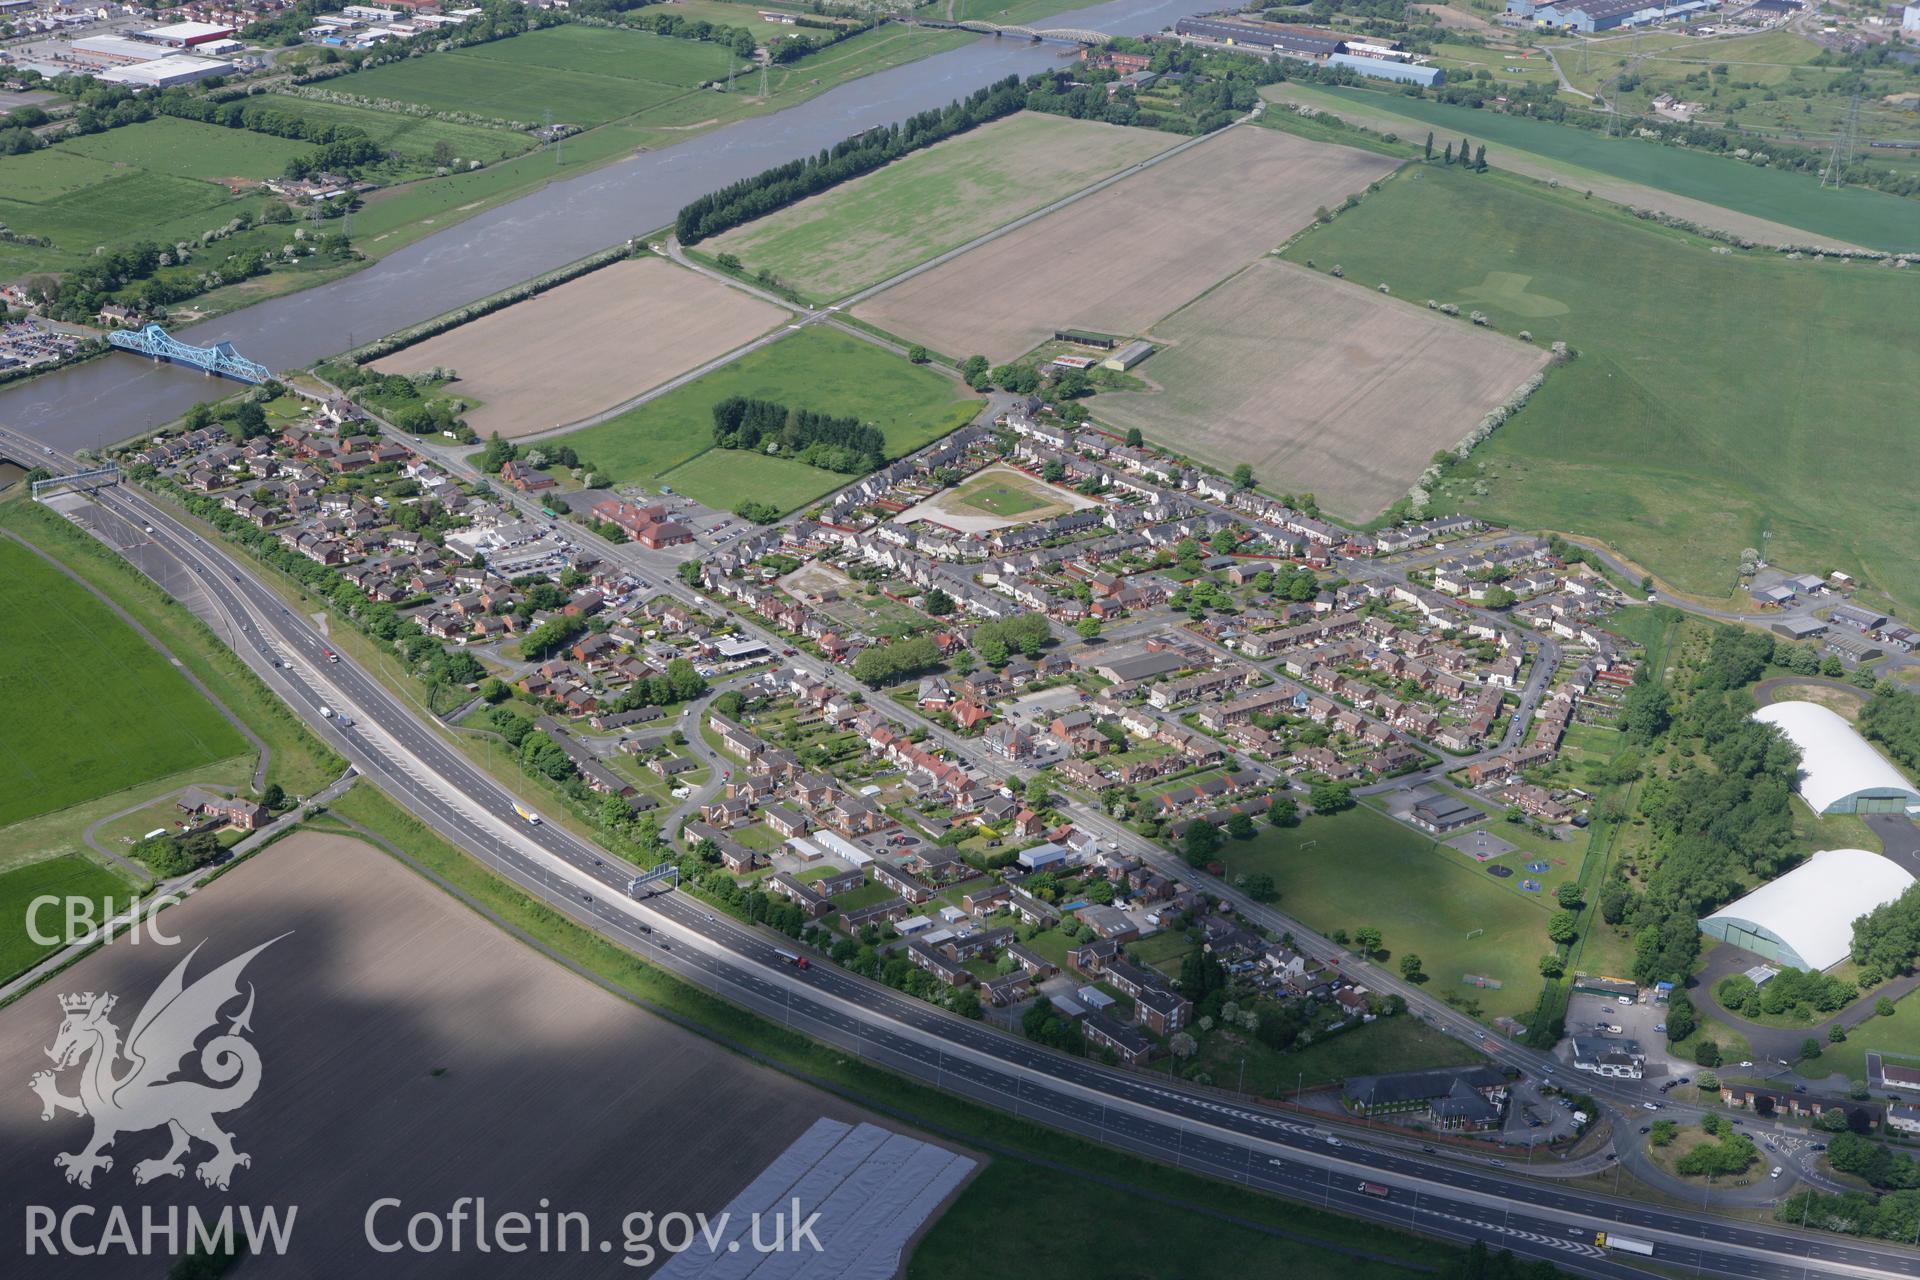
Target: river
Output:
[{"x": 118, "y": 396}]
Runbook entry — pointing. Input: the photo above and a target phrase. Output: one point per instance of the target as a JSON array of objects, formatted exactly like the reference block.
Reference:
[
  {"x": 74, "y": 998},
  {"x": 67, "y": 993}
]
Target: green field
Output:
[
  {"x": 721, "y": 13},
  {"x": 1400, "y": 1043},
  {"x": 113, "y": 207},
  {"x": 57, "y": 877},
  {"x": 1366, "y": 869},
  {"x": 934, "y": 200},
  {"x": 190, "y": 149},
  {"x": 92, "y": 708},
  {"x": 1091, "y": 1231},
  {"x": 585, "y": 76},
  {"x": 817, "y": 368},
  {"x": 1719, "y": 400},
  {"x": 1852, "y": 214},
  {"x": 411, "y": 138}
]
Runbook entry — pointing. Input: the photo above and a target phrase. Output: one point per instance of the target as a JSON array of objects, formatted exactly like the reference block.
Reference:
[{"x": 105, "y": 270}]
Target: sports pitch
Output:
[
  {"x": 924, "y": 204},
  {"x": 588, "y": 344},
  {"x": 1321, "y": 385},
  {"x": 1121, "y": 259},
  {"x": 1718, "y": 400},
  {"x": 1362, "y": 868},
  {"x": 992, "y": 499},
  {"x": 92, "y": 707},
  {"x": 998, "y": 499}
]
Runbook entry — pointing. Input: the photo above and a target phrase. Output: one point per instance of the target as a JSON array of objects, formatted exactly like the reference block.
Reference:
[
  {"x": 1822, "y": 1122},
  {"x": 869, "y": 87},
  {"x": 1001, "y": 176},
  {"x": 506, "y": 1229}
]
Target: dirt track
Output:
[
  {"x": 408, "y": 1049},
  {"x": 1119, "y": 260},
  {"x": 588, "y": 344}
]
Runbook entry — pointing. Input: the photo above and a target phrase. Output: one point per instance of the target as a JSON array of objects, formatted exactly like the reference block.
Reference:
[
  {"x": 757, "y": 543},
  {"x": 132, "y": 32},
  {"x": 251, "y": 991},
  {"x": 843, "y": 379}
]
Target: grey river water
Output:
[{"x": 118, "y": 396}]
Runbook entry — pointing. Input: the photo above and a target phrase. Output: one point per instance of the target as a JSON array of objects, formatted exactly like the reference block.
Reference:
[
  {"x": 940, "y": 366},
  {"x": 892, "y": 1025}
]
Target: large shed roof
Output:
[
  {"x": 1836, "y": 763},
  {"x": 1805, "y": 917}
]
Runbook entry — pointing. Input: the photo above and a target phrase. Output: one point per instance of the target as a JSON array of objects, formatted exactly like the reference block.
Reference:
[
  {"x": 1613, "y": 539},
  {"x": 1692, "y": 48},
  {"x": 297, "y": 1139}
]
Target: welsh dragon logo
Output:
[{"x": 143, "y": 1094}]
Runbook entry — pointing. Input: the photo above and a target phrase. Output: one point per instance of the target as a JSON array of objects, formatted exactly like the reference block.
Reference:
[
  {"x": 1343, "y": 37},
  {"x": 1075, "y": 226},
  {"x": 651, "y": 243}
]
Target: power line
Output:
[{"x": 1835, "y": 174}]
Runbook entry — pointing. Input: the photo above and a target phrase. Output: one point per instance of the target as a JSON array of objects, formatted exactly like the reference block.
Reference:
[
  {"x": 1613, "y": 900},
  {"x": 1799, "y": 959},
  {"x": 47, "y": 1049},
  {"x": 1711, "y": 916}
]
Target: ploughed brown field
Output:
[
  {"x": 408, "y": 1049},
  {"x": 1119, "y": 260},
  {"x": 1322, "y": 385},
  {"x": 588, "y": 344}
]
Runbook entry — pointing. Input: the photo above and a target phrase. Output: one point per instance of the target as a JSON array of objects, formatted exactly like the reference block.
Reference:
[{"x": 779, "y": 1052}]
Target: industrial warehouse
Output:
[{"x": 1381, "y": 59}]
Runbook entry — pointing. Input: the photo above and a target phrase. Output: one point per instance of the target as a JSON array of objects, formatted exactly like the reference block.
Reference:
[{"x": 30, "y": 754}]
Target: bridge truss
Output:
[
  {"x": 1067, "y": 35},
  {"x": 218, "y": 360},
  {"x": 97, "y": 478}
]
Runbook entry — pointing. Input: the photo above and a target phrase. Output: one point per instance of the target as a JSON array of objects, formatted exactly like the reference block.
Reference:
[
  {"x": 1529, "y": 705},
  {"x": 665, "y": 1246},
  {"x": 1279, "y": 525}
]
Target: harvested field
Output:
[
  {"x": 1321, "y": 385},
  {"x": 588, "y": 344},
  {"x": 409, "y": 1049},
  {"x": 994, "y": 499},
  {"x": 1119, "y": 260},
  {"x": 934, "y": 200}
]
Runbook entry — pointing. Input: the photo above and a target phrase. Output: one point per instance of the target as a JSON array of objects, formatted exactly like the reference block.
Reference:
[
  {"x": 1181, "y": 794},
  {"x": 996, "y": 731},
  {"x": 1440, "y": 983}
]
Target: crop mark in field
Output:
[{"x": 1509, "y": 289}]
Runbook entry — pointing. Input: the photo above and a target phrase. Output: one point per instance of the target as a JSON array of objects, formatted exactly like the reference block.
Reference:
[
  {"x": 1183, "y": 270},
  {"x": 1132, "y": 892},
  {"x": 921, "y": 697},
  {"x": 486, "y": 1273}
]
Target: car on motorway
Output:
[{"x": 1498, "y": 1164}]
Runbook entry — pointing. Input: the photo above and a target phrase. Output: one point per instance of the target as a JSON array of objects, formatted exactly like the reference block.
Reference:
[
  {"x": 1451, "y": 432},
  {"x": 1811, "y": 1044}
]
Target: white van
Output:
[{"x": 326, "y": 713}]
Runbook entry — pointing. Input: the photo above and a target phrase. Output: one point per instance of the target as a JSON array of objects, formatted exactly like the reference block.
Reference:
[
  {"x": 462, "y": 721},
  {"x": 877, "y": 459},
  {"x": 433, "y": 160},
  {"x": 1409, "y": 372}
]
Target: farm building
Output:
[
  {"x": 1384, "y": 69},
  {"x": 1840, "y": 772},
  {"x": 1128, "y": 356},
  {"x": 1805, "y": 917},
  {"x": 1800, "y": 628}
]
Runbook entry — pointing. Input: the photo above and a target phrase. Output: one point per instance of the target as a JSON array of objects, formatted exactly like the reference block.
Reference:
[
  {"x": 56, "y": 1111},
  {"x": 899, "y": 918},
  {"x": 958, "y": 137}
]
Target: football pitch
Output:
[{"x": 1362, "y": 868}]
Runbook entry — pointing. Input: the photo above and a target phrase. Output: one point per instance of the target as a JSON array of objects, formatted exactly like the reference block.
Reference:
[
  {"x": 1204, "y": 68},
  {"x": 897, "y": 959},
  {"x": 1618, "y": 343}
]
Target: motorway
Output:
[{"x": 1437, "y": 1193}]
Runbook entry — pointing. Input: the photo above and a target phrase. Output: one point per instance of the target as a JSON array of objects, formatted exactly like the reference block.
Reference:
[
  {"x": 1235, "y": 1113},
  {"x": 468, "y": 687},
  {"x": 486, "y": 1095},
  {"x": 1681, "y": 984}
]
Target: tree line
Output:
[
  {"x": 842, "y": 444},
  {"x": 789, "y": 183}
]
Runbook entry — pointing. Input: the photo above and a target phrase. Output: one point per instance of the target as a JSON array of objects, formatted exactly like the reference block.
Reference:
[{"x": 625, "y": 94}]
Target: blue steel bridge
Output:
[{"x": 218, "y": 360}]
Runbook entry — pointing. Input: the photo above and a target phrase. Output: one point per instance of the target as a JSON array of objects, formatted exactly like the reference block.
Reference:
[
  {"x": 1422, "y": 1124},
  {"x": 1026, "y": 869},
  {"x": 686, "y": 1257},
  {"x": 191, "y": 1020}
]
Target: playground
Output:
[{"x": 1362, "y": 868}]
